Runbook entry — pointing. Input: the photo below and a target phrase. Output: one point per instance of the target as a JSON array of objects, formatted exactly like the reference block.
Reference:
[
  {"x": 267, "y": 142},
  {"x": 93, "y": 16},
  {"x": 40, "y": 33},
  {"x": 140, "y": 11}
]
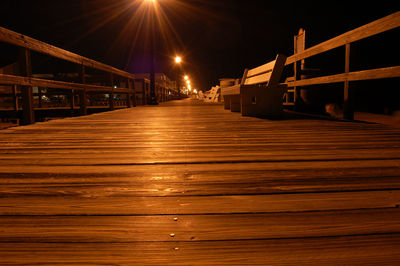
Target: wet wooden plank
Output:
[
  {"x": 356, "y": 250},
  {"x": 198, "y": 227},
  {"x": 105, "y": 205},
  {"x": 243, "y": 190},
  {"x": 199, "y": 179}
]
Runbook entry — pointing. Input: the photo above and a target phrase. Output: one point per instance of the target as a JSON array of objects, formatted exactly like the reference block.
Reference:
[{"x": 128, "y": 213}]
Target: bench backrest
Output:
[{"x": 269, "y": 73}]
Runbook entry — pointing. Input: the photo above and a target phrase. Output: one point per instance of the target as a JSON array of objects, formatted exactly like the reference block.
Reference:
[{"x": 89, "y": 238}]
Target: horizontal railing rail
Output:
[
  {"x": 379, "y": 26},
  {"x": 54, "y": 84},
  {"x": 371, "y": 29},
  {"x": 32, "y": 44},
  {"x": 23, "y": 82}
]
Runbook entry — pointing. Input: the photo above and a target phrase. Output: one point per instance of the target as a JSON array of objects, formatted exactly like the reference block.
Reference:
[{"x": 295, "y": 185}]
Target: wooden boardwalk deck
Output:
[{"x": 193, "y": 184}]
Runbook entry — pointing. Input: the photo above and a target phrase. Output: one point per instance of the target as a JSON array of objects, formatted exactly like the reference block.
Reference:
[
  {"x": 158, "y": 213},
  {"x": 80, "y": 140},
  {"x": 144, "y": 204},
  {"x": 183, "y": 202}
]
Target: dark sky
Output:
[{"x": 216, "y": 38}]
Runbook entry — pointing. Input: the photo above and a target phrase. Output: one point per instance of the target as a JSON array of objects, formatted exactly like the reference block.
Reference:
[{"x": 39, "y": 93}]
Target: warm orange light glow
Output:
[
  {"x": 188, "y": 82},
  {"x": 186, "y": 77},
  {"x": 145, "y": 16},
  {"x": 190, "y": 88},
  {"x": 178, "y": 59}
]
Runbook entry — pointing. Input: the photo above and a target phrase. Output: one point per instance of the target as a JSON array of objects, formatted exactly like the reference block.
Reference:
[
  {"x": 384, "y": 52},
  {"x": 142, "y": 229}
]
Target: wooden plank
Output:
[
  {"x": 18, "y": 39},
  {"x": 83, "y": 92},
  {"x": 231, "y": 208},
  {"x": 194, "y": 156},
  {"x": 261, "y": 69},
  {"x": 230, "y": 90},
  {"x": 365, "y": 250},
  {"x": 111, "y": 92},
  {"x": 381, "y": 25},
  {"x": 121, "y": 187},
  {"x": 25, "y": 66},
  {"x": 263, "y": 78},
  {"x": 197, "y": 227},
  {"x": 105, "y": 205},
  {"x": 28, "y": 81},
  {"x": 348, "y": 101},
  {"x": 380, "y": 73}
]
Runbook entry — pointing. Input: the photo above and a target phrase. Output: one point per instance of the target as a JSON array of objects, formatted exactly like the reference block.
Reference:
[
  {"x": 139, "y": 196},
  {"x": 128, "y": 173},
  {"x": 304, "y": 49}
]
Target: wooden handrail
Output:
[
  {"x": 380, "y": 73},
  {"x": 376, "y": 27},
  {"x": 27, "y": 82},
  {"x": 54, "y": 84},
  {"x": 21, "y": 40},
  {"x": 381, "y": 25}
]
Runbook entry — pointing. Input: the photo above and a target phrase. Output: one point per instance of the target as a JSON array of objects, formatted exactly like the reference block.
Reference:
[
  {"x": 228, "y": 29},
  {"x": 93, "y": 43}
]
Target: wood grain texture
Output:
[
  {"x": 21, "y": 40},
  {"x": 197, "y": 227},
  {"x": 389, "y": 22},
  {"x": 187, "y": 183},
  {"x": 29, "y": 81},
  {"x": 354, "y": 250}
]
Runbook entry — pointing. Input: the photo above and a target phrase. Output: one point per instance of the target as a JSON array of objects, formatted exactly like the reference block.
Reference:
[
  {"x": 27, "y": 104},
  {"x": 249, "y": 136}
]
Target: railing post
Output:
[
  {"x": 72, "y": 102},
  {"x": 25, "y": 65},
  {"x": 40, "y": 97},
  {"x": 132, "y": 86},
  {"x": 129, "y": 96},
  {"x": 348, "y": 104},
  {"x": 132, "y": 94},
  {"x": 111, "y": 94},
  {"x": 82, "y": 93},
  {"x": 15, "y": 97}
]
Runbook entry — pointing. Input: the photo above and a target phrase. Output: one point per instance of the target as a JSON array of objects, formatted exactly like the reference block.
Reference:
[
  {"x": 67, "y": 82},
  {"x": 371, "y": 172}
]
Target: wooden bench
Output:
[{"x": 259, "y": 93}]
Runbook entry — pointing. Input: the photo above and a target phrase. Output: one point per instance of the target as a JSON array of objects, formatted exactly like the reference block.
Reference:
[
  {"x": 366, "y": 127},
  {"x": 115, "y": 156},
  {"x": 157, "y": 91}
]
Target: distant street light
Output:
[
  {"x": 153, "y": 97},
  {"x": 178, "y": 59}
]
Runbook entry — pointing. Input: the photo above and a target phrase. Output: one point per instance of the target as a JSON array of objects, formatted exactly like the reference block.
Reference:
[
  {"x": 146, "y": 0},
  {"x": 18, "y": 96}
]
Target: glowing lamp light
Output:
[
  {"x": 186, "y": 77},
  {"x": 178, "y": 59}
]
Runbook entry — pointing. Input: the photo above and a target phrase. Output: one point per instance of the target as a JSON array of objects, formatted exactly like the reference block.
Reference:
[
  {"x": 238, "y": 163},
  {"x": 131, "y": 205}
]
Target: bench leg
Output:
[
  {"x": 235, "y": 103},
  {"x": 261, "y": 101},
  {"x": 227, "y": 102}
]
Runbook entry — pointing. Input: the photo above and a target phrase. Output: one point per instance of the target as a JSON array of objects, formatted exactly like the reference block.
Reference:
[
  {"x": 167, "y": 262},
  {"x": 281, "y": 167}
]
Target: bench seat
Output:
[{"x": 259, "y": 93}]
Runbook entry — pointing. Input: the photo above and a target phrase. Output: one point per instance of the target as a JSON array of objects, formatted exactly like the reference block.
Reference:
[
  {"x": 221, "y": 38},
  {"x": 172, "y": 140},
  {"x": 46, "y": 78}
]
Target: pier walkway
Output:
[{"x": 186, "y": 183}]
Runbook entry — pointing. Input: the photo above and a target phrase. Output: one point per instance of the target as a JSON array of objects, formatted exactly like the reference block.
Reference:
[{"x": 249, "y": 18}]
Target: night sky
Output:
[{"x": 216, "y": 38}]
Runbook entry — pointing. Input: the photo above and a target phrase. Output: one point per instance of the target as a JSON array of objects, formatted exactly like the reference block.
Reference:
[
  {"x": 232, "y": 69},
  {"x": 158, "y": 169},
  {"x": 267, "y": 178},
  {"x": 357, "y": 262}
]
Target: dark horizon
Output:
[{"x": 216, "y": 39}]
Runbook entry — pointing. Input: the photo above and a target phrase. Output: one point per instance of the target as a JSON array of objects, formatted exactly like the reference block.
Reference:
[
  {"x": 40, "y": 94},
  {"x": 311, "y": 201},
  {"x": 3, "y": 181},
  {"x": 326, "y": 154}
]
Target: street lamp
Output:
[
  {"x": 178, "y": 61},
  {"x": 153, "y": 97}
]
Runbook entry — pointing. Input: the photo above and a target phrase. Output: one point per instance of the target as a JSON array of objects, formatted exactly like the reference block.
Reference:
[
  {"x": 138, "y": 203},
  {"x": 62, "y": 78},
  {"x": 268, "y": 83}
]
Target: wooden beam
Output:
[
  {"x": 82, "y": 93},
  {"x": 111, "y": 93},
  {"x": 381, "y": 25},
  {"x": 15, "y": 97},
  {"x": 28, "y": 81},
  {"x": 86, "y": 229},
  {"x": 379, "y": 73},
  {"x": 25, "y": 65},
  {"x": 348, "y": 102},
  {"x": 18, "y": 39}
]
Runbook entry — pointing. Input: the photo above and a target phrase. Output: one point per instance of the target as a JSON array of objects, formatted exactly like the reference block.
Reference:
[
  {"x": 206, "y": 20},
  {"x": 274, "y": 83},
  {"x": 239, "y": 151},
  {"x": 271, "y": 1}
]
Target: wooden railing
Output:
[
  {"x": 379, "y": 26},
  {"x": 25, "y": 81}
]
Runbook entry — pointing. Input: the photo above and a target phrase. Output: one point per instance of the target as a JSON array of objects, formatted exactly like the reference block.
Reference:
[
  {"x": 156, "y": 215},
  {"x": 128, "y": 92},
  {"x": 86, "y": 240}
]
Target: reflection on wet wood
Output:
[{"x": 187, "y": 183}]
